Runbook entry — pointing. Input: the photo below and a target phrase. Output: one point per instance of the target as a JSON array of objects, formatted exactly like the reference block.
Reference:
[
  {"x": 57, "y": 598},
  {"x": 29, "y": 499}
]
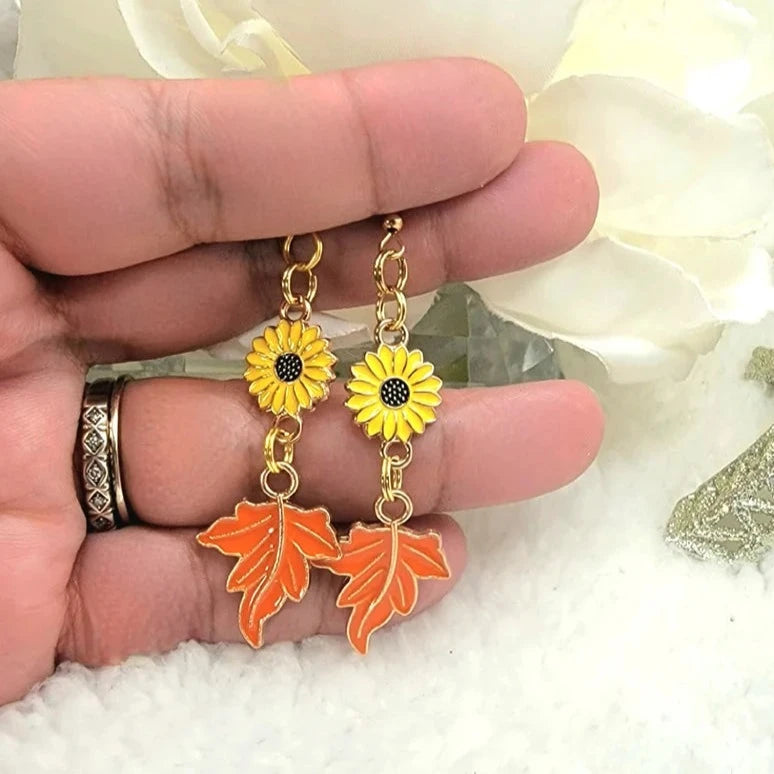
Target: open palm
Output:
[{"x": 139, "y": 219}]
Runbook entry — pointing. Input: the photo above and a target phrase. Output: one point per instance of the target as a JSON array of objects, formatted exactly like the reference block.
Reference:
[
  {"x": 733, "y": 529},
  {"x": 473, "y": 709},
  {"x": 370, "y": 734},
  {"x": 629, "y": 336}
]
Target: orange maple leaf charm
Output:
[
  {"x": 384, "y": 564},
  {"x": 274, "y": 542}
]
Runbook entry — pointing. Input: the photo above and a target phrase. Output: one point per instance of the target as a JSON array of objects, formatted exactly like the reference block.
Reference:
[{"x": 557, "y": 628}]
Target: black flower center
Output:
[
  {"x": 394, "y": 392},
  {"x": 288, "y": 367}
]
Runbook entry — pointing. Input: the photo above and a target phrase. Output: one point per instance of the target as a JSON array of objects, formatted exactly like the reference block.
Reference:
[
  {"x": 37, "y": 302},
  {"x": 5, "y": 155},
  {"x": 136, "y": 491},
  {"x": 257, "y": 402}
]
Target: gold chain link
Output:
[
  {"x": 278, "y": 451},
  {"x": 282, "y": 436},
  {"x": 392, "y": 331},
  {"x": 391, "y": 323},
  {"x": 290, "y": 488},
  {"x": 282, "y": 440},
  {"x": 393, "y": 466},
  {"x": 297, "y": 304}
]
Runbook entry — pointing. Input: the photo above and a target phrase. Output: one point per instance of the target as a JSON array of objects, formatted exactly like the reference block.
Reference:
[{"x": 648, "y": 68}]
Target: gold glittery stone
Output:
[
  {"x": 761, "y": 365},
  {"x": 730, "y": 517}
]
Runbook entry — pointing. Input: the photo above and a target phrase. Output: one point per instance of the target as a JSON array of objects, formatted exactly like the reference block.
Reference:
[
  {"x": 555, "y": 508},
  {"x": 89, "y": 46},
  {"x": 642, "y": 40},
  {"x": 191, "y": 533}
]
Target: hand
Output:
[{"x": 125, "y": 210}]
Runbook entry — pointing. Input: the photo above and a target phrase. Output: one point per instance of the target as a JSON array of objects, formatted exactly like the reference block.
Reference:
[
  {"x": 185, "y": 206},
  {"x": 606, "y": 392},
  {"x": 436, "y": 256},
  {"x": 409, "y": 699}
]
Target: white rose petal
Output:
[
  {"x": 258, "y": 36},
  {"x": 760, "y": 50},
  {"x": 525, "y": 37},
  {"x": 718, "y": 54},
  {"x": 642, "y": 315},
  {"x": 763, "y": 107},
  {"x": 75, "y": 38},
  {"x": 627, "y": 360},
  {"x": 735, "y": 277},
  {"x": 213, "y": 38},
  {"x": 207, "y": 39},
  {"x": 663, "y": 166}
]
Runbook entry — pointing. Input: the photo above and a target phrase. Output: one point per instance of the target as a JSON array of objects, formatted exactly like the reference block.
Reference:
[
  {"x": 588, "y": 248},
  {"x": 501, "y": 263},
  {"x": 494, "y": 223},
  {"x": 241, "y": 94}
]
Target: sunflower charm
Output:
[
  {"x": 275, "y": 542},
  {"x": 290, "y": 367},
  {"x": 393, "y": 393}
]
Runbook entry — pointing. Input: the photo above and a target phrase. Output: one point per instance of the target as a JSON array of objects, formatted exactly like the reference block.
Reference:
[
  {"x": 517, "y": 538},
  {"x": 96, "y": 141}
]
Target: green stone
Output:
[{"x": 470, "y": 345}]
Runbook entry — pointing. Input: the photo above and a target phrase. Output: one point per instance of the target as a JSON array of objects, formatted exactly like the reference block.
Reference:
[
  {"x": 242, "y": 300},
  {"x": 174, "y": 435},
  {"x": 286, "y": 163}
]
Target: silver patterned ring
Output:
[{"x": 102, "y": 492}]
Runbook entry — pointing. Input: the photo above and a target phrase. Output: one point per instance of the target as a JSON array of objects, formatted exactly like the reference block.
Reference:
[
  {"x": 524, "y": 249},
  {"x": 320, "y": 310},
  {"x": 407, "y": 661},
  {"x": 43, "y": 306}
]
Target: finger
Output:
[
  {"x": 542, "y": 206},
  {"x": 144, "y": 591},
  {"x": 130, "y": 170},
  {"x": 193, "y": 448}
]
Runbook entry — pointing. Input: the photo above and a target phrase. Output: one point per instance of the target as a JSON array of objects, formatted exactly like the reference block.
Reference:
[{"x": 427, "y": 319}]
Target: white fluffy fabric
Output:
[{"x": 576, "y": 642}]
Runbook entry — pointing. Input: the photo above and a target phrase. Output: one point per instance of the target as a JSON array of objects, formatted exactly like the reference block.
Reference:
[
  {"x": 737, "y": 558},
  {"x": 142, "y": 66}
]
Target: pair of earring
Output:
[{"x": 393, "y": 394}]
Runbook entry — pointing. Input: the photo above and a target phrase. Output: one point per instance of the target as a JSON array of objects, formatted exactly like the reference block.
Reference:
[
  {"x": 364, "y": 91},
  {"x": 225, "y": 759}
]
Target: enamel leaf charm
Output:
[
  {"x": 383, "y": 565},
  {"x": 275, "y": 542}
]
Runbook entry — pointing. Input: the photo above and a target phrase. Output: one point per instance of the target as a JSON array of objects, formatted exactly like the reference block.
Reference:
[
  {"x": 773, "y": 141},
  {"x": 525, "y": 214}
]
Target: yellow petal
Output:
[
  {"x": 399, "y": 363},
  {"x": 386, "y": 358},
  {"x": 315, "y": 389},
  {"x": 363, "y": 372},
  {"x": 318, "y": 374},
  {"x": 356, "y": 402},
  {"x": 362, "y": 388},
  {"x": 323, "y": 360},
  {"x": 375, "y": 425},
  {"x": 433, "y": 384},
  {"x": 291, "y": 402},
  {"x": 317, "y": 346},
  {"x": 255, "y": 373},
  {"x": 421, "y": 373},
  {"x": 404, "y": 428},
  {"x": 417, "y": 425},
  {"x": 294, "y": 337},
  {"x": 426, "y": 398},
  {"x": 264, "y": 359},
  {"x": 278, "y": 401},
  {"x": 260, "y": 346},
  {"x": 415, "y": 359},
  {"x": 390, "y": 425},
  {"x": 309, "y": 335},
  {"x": 270, "y": 334},
  {"x": 426, "y": 413},
  {"x": 373, "y": 362},
  {"x": 265, "y": 397},
  {"x": 283, "y": 334},
  {"x": 302, "y": 394},
  {"x": 260, "y": 384},
  {"x": 368, "y": 413}
]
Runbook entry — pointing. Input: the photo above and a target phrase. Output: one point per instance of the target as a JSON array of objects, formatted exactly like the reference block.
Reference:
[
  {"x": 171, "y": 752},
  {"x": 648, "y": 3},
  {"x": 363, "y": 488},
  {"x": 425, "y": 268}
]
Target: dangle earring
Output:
[
  {"x": 289, "y": 369},
  {"x": 393, "y": 395}
]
